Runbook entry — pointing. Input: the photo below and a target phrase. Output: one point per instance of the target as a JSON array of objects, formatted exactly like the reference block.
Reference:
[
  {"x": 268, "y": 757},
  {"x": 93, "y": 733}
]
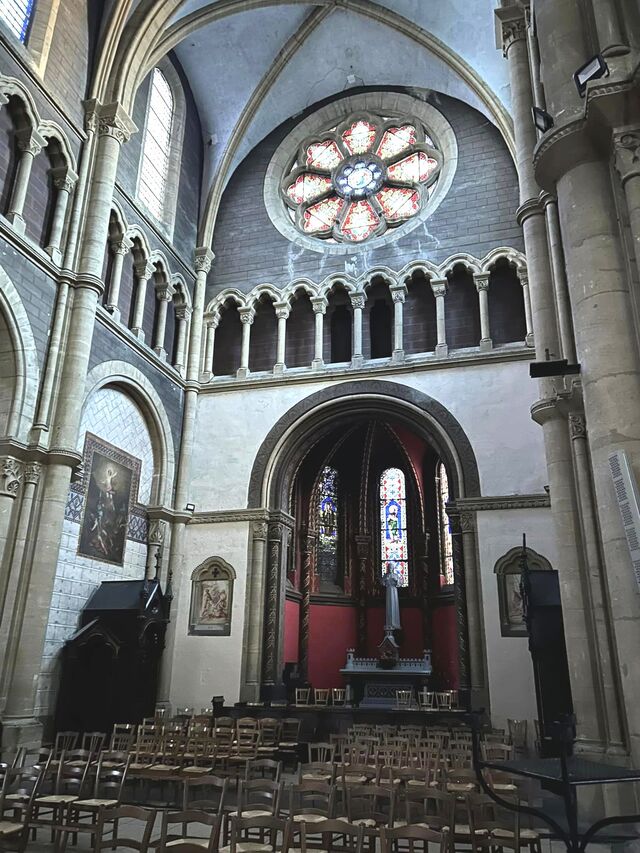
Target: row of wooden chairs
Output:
[{"x": 320, "y": 696}]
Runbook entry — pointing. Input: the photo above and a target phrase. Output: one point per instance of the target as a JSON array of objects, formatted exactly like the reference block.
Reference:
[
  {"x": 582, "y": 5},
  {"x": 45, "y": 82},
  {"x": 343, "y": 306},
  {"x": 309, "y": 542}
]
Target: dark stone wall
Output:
[{"x": 477, "y": 215}]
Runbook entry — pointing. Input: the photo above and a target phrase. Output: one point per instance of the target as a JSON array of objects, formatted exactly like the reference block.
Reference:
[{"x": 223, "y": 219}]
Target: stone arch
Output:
[
  {"x": 21, "y": 409},
  {"x": 132, "y": 382},
  {"x": 509, "y": 566}
]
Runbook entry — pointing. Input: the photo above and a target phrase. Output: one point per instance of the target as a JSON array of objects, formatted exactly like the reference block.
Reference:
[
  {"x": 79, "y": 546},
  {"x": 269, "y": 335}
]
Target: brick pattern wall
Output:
[
  {"x": 419, "y": 317},
  {"x": 462, "y": 310},
  {"x": 477, "y": 215},
  {"x": 8, "y": 156},
  {"x": 300, "y": 343},
  {"x": 40, "y": 201},
  {"x": 506, "y": 306},
  {"x": 71, "y": 39},
  {"x": 226, "y": 356},
  {"x": 264, "y": 335}
]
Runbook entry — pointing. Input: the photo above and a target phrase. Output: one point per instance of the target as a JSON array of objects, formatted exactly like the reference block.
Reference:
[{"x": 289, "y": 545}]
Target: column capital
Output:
[
  {"x": 481, "y": 280},
  {"x": 157, "y": 532},
  {"x": 183, "y": 312},
  {"x": 577, "y": 426},
  {"x": 467, "y": 522},
  {"x": 64, "y": 179},
  {"x": 202, "y": 259},
  {"x": 10, "y": 476},
  {"x": 276, "y": 530},
  {"x": 319, "y": 304},
  {"x": 212, "y": 321},
  {"x": 31, "y": 141},
  {"x": 358, "y": 300},
  {"x": 122, "y": 246},
  {"x": 626, "y": 149},
  {"x": 144, "y": 270},
  {"x": 398, "y": 292},
  {"x": 247, "y": 315},
  {"x": 164, "y": 291},
  {"x": 513, "y": 27},
  {"x": 259, "y": 529},
  {"x": 282, "y": 310},
  {"x": 109, "y": 120},
  {"x": 32, "y": 473},
  {"x": 439, "y": 286}
]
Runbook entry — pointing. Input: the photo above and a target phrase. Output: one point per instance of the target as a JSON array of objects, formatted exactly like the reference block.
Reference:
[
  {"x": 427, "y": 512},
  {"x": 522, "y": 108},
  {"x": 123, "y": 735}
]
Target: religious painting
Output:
[
  {"x": 110, "y": 487},
  {"x": 211, "y": 598},
  {"x": 327, "y": 524},
  {"x": 510, "y": 598},
  {"x": 393, "y": 525}
]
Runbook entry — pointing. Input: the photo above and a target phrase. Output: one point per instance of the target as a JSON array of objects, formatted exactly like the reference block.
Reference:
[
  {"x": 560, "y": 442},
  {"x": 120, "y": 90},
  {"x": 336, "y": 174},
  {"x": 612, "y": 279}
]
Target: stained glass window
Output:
[
  {"x": 393, "y": 523},
  {"x": 357, "y": 179},
  {"x": 17, "y": 16},
  {"x": 327, "y": 524},
  {"x": 156, "y": 146},
  {"x": 444, "y": 526}
]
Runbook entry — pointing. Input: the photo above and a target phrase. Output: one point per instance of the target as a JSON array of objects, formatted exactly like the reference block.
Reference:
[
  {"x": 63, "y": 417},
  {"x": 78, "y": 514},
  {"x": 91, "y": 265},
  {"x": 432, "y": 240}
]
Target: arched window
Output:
[
  {"x": 327, "y": 523},
  {"x": 17, "y": 16},
  {"x": 444, "y": 528},
  {"x": 393, "y": 523},
  {"x": 156, "y": 146}
]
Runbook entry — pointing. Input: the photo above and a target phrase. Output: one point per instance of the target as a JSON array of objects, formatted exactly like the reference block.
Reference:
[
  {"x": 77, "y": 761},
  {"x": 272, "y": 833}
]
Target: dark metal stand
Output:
[{"x": 562, "y": 776}]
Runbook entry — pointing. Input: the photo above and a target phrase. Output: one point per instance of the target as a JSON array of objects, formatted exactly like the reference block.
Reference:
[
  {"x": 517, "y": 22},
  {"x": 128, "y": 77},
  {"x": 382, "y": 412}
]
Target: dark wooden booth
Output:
[{"x": 111, "y": 665}]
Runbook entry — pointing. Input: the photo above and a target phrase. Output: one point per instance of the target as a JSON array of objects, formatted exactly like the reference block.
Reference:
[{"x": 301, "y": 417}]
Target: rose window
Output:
[{"x": 360, "y": 178}]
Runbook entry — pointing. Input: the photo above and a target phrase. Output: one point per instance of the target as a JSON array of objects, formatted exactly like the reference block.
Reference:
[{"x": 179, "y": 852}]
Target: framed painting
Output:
[
  {"x": 110, "y": 488},
  {"x": 212, "y": 598}
]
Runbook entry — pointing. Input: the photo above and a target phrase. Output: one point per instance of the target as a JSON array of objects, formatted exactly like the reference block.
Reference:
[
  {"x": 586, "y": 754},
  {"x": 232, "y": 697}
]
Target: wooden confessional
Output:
[{"x": 111, "y": 665}]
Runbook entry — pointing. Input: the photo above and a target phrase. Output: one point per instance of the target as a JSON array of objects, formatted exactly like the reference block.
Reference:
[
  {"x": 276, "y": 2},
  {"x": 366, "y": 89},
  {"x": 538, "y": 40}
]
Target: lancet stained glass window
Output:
[
  {"x": 361, "y": 177},
  {"x": 17, "y": 16},
  {"x": 156, "y": 145},
  {"x": 393, "y": 523},
  {"x": 444, "y": 526},
  {"x": 327, "y": 524}
]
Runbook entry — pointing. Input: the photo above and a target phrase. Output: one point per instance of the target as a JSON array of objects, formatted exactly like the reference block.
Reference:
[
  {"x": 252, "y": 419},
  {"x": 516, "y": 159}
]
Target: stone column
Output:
[
  {"x": 164, "y": 294},
  {"x": 272, "y": 663},
  {"x": 611, "y": 41},
  {"x": 481, "y": 280},
  {"x": 254, "y": 615},
  {"x": 439, "y": 288},
  {"x": 282, "y": 313},
  {"x": 209, "y": 350},
  {"x": 460, "y": 596},
  {"x": 120, "y": 249},
  {"x": 203, "y": 259},
  {"x": 308, "y": 551},
  {"x": 19, "y": 720},
  {"x": 144, "y": 271},
  {"x": 30, "y": 144},
  {"x": 247, "y": 316},
  {"x": 319, "y": 304},
  {"x": 626, "y": 142},
  {"x": 357, "y": 302},
  {"x": 523, "y": 276},
  {"x": 10, "y": 479},
  {"x": 64, "y": 184},
  {"x": 155, "y": 542},
  {"x": 475, "y": 622},
  {"x": 559, "y": 276},
  {"x": 398, "y": 294},
  {"x": 183, "y": 312}
]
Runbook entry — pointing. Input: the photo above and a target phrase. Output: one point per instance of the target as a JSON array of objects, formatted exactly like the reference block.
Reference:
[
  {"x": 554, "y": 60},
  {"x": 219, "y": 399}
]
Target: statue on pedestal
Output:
[{"x": 388, "y": 648}]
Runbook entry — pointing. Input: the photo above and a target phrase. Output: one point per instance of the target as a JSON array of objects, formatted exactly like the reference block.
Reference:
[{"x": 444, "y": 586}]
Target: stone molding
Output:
[
  {"x": 202, "y": 259},
  {"x": 502, "y": 502},
  {"x": 10, "y": 476},
  {"x": 109, "y": 120},
  {"x": 577, "y": 426},
  {"x": 626, "y": 145},
  {"x": 32, "y": 473}
]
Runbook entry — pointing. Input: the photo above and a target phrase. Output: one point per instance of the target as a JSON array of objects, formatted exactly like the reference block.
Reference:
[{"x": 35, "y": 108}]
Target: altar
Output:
[{"x": 371, "y": 684}]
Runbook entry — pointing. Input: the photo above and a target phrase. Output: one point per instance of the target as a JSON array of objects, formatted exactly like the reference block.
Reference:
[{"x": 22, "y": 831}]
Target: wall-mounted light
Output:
[
  {"x": 190, "y": 507},
  {"x": 595, "y": 68},
  {"x": 542, "y": 120}
]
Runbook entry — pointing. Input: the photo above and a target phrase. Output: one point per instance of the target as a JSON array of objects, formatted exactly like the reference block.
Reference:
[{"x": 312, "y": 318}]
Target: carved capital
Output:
[
  {"x": 144, "y": 270},
  {"x": 276, "y": 530},
  {"x": 439, "y": 286},
  {"x": 577, "y": 426},
  {"x": 121, "y": 247},
  {"x": 247, "y": 315},
  {"x": 164, "y": 292},
  {"x": 626, "y": 147},
  {"x": 213, "y": 321},
  {"x": 282, "y": 310},
  {"x": 183, "y": 312},
  {"x": 111, "y": 120},
  {"x": 157, "y": 532},
  {"x": 202, "y": 259},
  {"x": 10, "y": 476},
  {"x": 398, "y": 292},
  {"x": 319, "y": 304},
  {"x": 512, "y": 30},
  {"x": 481, "y": 281},
  {"x": 259, "y": 530},
  {"x": 30, "y": 142},
  {"x": 467, "y": 522},
  {"x": 357, "y": 300},
  {"x": 65, "y": 183},
  {"x": 32, "y": 473}
]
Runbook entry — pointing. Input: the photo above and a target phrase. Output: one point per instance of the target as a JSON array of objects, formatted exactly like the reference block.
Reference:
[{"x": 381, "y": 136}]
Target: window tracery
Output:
[
  {"x": 360, "y": 178},
  {"x": 17, "y": 16},
  {"x": 156, "y": 145},
  {"x": 393, "y": 523}
]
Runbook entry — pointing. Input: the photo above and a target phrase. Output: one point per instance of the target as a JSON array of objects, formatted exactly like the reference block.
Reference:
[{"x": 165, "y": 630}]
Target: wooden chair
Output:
[
  {"x": 370, "y": 806},
  {"x": 491, "y": 830},
  {"x": 269, "y": 736},
  {"x": 49, "y": 809},
  {"x": 443, "y": 700},
  {"x": 122, "y": 737},
  {"x": 271, "y": 832},
  {"x": 185, "y": 837},
  {"x": 93, "y": 742},
  {"x": 427, "y": 700},
  {"x": 108, "y": 835},
  {"x": 338, "y": 695},
  {"x": 321, "y": 696},
  {"x": 404, "y": 699},
  {"x": 15, "y": 826},
  {"x": 64, "y": 742},
  {"x": 303, "y": 694},
  {"x": 321, "y": 751},
  {"x": 200, "y": 753},
  {"x": 224, "y": 723},
  {"x": 289, "y": 745},
  {"x": 215, "y": 789},
  {"x": 317, "y": 771},
  {"x": 263, "y": 768},
  {"x": 518, "y": 734},
  {"x": 413, "y": 836},
  {"x": 496, "y": 751},
  {"x": 311, "y": 801},
  {"x": 259, "y": 798},
  {"x": 358, "y": 774},
  {"x": 338, "y": 836},
  {"x": 247, "y": 724},
  {"x": 245, "y": 748},
  {"x": 432, "y": 808}
]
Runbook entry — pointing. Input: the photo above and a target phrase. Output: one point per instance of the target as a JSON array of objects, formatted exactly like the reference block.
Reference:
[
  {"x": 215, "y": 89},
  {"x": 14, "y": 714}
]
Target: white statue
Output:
[{"x": 391, "y": 580}]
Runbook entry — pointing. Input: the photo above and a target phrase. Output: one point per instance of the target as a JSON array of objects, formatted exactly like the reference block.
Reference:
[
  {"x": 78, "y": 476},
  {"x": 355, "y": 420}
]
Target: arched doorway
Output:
[{"x": 360, "y": 429}]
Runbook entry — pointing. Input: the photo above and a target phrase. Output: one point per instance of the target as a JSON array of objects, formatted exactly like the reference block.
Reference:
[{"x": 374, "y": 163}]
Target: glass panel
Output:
[
  {"x": 327, "y": 522},
  {"x": 395, "y": 140},
  {"x": 446, "y": 547},
  {"x": 321, "y": 217},
  {"x": 324, "y": 155},
  {"x": 398, "y": 202},
  {"x": 307, "y": 186},
  {"x": 17, "y": 14},
  {"x": 360, "y": 222},
  {"x": 413, "y": 169},
  {"x": 156, "y": 145},
  {"x": 393, "y": 523},
  {"x": 359, "y": 137}
]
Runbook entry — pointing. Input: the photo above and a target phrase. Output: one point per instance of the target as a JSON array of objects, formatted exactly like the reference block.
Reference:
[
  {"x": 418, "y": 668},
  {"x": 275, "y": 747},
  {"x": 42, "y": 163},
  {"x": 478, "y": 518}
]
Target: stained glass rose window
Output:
[{"x": 360, "y": 178}]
